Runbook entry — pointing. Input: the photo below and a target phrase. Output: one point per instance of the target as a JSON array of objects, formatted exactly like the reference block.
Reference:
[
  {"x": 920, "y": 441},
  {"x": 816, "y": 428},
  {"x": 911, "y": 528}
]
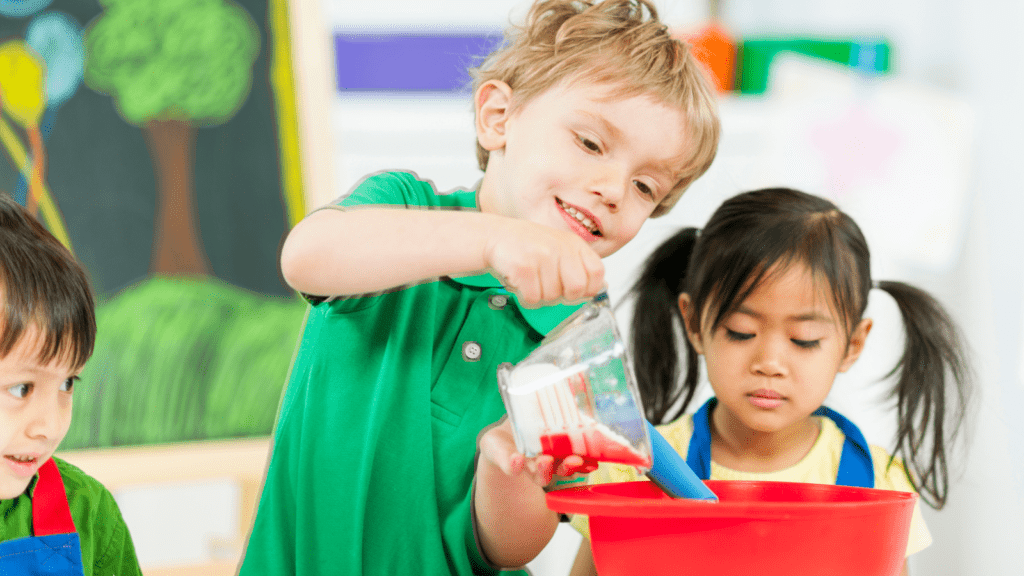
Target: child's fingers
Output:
[
  {"x": 594, "y": 267},
  {"x": 516, "y": 464},
  {"x": 576, "y": 464},
  {"x": 542, "y": 469},
  {"x": 582, "y": 276},
  {"x": 575, "y": 280},
  {"x": 530, "y": 289},
  {"x": 498, "y": 446},
  {"x": 549, "y": 278},
  {"x": 543, "y": 265}
]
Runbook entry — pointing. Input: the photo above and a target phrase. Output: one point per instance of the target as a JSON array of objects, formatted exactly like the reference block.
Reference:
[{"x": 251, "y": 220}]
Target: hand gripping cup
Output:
[{"x": 576, "y": 394}]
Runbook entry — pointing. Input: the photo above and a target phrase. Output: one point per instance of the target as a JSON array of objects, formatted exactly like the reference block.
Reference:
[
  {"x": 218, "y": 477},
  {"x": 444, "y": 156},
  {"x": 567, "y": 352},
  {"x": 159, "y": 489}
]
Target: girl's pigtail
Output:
[
  {"x": 932, "y": 390},
  {"x": 657, "y": 324}
]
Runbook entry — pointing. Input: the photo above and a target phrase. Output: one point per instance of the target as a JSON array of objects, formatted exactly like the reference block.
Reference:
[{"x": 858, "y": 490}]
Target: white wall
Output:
[{"x": 963, "y": 50}]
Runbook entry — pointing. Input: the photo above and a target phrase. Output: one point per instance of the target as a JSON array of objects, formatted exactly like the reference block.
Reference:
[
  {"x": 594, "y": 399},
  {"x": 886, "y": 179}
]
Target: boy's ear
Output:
[
  {"x": 686, "y": 310},
  {"x": 493, "y": 101},
  {"x": 857, "y": 339}
]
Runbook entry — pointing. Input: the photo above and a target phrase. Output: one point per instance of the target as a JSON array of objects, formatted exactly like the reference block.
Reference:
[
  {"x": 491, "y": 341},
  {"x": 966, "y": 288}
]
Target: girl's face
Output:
[
  {"x": 772, "y": 362},
  {"x": 35, "y": 412}
]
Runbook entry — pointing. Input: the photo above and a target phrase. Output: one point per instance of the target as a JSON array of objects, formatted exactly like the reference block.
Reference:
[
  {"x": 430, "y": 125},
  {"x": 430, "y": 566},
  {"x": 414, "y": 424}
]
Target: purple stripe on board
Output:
[{"x": 409, "y": 62}]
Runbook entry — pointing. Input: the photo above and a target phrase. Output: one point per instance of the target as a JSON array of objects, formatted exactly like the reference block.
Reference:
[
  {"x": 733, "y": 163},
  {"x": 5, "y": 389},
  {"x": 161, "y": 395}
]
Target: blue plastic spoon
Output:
[{"x": 671, "y": 473}]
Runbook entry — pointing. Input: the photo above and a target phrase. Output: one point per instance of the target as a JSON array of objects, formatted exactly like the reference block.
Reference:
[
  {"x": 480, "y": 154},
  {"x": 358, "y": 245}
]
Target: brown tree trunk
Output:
[{"x": 177, "y": 245}]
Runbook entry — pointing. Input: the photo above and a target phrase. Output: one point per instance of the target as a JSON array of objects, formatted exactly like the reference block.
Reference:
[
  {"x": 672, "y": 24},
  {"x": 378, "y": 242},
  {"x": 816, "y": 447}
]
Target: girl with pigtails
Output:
[{"x": 772, "y": 293}]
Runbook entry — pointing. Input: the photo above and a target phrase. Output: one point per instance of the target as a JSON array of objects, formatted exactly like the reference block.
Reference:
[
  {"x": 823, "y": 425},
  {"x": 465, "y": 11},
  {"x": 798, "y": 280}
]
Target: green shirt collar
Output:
[
  {"x": 542, "y": 319},
  {"x": 31, "y": 490}
]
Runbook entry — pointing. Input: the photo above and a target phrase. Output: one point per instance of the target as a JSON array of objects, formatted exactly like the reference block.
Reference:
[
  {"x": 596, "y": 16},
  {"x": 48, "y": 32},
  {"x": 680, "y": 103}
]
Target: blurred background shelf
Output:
[{"x": 220, "y": 478}]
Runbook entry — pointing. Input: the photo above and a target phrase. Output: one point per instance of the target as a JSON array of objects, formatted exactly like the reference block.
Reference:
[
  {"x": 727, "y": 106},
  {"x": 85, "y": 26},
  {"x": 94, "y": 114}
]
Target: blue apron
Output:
[
  {"x": 55, "y": 549},
  {"x": 855, "y": 468}
]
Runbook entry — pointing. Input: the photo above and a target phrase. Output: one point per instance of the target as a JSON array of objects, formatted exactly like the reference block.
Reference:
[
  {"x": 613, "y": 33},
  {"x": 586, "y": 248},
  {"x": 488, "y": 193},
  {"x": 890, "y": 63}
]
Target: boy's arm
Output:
[
  {"x": 513, "y": 521},
  {"x": 115, "y": 553},
  {"x": 366, "y": 250}
]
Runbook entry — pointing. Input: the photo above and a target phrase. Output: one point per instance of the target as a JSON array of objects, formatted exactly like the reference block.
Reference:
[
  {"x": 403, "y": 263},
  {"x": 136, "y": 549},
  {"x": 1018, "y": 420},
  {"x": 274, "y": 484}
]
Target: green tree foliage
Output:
[
  {"x": 188, "y": 60},
  {"x": 181, "y": 359}
]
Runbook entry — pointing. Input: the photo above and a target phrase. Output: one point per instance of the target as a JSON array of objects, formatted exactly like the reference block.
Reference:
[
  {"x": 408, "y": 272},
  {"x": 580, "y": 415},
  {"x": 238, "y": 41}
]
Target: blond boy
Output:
[{"x": 589, "y": 121}]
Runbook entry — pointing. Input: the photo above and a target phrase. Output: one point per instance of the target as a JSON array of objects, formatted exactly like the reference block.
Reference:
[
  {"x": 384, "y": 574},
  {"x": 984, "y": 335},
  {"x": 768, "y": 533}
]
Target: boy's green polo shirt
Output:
[
  {"x": 372, "y": 463},
  {"x": 106, "y": 545}
]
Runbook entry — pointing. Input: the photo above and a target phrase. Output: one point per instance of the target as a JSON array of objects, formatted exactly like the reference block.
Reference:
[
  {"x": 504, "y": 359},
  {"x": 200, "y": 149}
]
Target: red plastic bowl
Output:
[{"x": 756, "y": 528}]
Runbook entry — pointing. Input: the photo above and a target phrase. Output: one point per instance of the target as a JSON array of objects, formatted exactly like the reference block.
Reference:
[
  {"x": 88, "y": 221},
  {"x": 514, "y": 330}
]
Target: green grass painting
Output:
[{"x": 181, "y": 359}]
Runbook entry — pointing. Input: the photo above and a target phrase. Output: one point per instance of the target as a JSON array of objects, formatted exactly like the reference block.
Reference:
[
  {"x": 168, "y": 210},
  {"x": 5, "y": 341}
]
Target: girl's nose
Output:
[{"x": 768, "y": 359}]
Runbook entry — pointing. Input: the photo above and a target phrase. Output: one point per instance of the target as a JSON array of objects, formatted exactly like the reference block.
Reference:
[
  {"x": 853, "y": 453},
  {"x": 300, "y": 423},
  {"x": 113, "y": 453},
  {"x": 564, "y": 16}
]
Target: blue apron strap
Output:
[
  {"x": 855, "y": 467},
  {"x": 698, "y": 455}
]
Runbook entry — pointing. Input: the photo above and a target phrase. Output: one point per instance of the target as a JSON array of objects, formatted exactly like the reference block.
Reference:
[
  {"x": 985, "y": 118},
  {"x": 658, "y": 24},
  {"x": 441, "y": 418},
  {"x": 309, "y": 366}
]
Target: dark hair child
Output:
[
  {"x": 745, "y": 244},
  {"x": 47, "y": 332},
  {"x": 772, "y": 293}
]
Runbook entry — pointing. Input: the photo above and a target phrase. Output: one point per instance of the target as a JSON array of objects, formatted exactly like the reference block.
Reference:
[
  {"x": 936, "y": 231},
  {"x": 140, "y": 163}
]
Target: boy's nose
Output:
[
  {"x": 47, "y": 420},
  {"x": 611, "y": 187}
]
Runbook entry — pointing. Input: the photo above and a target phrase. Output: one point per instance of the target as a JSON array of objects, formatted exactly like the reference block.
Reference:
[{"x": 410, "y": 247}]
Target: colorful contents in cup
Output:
[
  {"x": 597, "y": 442},
  {"x": 554, "y": 412}
]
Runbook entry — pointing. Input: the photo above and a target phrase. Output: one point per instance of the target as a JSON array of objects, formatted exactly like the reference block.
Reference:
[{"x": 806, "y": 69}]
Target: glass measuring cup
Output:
[{"x": 575, "y": 394}]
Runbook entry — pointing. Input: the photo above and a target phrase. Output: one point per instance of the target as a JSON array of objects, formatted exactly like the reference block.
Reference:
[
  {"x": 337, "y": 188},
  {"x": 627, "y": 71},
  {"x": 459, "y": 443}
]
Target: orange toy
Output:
[{"x": 715, "y": 48}]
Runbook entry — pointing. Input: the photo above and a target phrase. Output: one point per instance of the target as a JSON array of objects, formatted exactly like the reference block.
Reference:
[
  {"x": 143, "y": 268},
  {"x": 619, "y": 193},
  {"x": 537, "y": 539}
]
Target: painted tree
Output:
[{"x": 173, "y": 66}]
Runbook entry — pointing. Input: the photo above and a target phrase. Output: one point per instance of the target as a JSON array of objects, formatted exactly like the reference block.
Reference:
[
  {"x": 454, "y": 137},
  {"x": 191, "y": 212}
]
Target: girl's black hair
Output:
[
  {"x": 42, "y": 286},
  {"x": 757, "y": 234}
]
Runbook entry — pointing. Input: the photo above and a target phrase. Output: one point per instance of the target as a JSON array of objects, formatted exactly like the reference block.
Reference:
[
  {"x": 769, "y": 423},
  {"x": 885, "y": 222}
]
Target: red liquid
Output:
[
  {"x": 596, "y": 446},
  {"x": 557, "y": 444}
]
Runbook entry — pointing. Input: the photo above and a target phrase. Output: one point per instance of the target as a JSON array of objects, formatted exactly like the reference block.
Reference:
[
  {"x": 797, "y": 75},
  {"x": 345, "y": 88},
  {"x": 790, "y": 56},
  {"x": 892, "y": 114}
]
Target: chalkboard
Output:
[{"x": 195, "y": 324}]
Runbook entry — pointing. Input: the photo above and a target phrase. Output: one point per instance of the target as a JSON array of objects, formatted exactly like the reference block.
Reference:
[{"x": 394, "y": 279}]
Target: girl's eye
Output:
[
  {"x": 643, "y": 188},
  {"x": 589, "y": 144},
  {"x": 68, "y": 384},
  {"x": 808, "y": 344},
  {"x": 20, "y": 390},
  {"x": 737, "y": 336}
]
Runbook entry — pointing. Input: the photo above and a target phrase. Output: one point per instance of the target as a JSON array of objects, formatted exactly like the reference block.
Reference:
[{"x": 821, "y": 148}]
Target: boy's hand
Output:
[
  {"x": 498, "y": 446},
  {"x": 542, "y": 264},
  {"x": 513, "y": 519}
]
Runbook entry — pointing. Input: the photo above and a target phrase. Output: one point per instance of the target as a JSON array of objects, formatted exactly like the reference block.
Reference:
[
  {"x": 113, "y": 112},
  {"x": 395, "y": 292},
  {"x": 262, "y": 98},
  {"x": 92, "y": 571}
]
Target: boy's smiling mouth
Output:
[{"x": 585, "y": 219}]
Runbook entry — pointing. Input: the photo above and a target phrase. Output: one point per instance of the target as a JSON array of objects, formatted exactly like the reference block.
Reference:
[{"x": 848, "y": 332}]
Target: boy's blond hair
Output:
[{"x": 612, "y": 41}]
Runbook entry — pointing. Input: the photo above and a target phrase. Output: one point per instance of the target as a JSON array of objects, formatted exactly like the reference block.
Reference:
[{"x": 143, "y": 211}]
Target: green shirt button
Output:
[{"x": 471, "y": 351}]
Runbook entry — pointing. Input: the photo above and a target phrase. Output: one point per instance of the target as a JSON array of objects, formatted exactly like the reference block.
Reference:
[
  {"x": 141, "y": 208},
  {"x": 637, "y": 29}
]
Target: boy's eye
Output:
[
  {"x": 589, "y": 144},
  {"x": 643, "y": 188},
  {"x": 806, "y": 343},
  {"x": 68, "y": 384},
  {"x": 737, "y": 336},
  {"x": 19, "y": 390}
]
